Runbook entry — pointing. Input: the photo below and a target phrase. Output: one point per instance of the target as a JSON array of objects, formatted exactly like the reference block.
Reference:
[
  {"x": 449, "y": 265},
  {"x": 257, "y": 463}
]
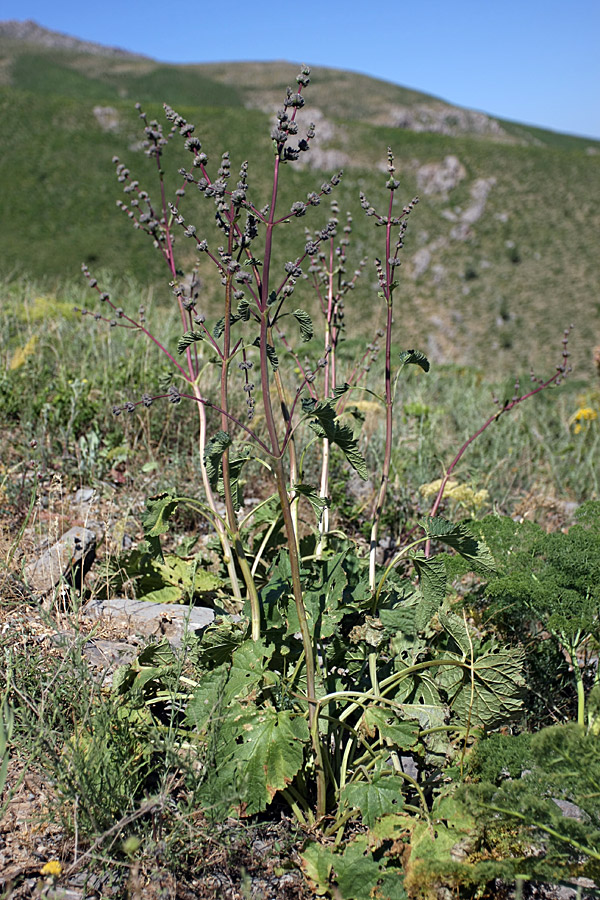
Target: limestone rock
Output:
[
  {"x": 69, "y": 558},
  {"x": 440, "y": 178},
  {"x": 168, "y": 620}
]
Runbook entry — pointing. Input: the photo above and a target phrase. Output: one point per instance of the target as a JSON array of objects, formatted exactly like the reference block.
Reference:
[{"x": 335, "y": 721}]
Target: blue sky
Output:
[{"x": 532, "y": 61}]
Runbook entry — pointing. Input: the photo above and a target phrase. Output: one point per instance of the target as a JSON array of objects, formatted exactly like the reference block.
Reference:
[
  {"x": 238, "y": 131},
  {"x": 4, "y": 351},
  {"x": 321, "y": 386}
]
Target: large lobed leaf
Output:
[
  {"x": 375, "y": 798},
  {"x": 489, "y": 691}
]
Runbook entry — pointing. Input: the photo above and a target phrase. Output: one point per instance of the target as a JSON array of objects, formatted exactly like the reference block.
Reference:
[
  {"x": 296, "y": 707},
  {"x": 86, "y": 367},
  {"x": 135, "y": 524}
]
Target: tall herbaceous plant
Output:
[{"x": 334, "y": 672}]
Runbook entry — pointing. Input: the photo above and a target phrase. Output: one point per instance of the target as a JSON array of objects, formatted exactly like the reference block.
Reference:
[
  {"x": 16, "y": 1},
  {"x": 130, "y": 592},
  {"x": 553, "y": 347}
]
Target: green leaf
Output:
[
  {"x": 207, "y": 701},
  {"x": 7, "y": 722},
  {"x": 375, "y": 799},
  {"x": 316, "y": 865},
  {"x": 402, "y": 618},
  {"x": 155, "y": 520},
  {"x": 271, "y": 754},
  {"x": 340, "y": 390},
  {"x": 213, "y": 452},
  {"x": 427, "y": 715},
  {"x": 271, "y": 354},
  {"x": 326, "y": 425},
  {"x": 457, "y": 629},
  {"x": 461, "y": 539},
  {"x": 324, "y": 586},
  {"x": 168, "y": 593},
  {"x": 190, "y": 337},
  {"x": 400, "y": 735},
  {"x": 159, "y": 510},
  {"x": 415, "y": 357},
  {"x": 305, "y": 322},
  {"x": 159, "y": 654},
  {"x": 490, "y": 694},
  {"x": 164, "y": 380},
  {"x": 235, "y": 469},
  {"x": 249, "y": 668},
  {"x": 219, "y": 640},
  {"x": 243, "y": 310},
  {"x": 166, "y": 579},
  {"x": 355, "y": 873},
  {"x": 432, "y": 582},
  {"x": 310, "y": 492}
]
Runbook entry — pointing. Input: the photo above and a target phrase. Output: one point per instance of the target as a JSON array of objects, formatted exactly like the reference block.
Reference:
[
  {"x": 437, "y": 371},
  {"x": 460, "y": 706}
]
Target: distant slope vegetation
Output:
[{"x": 501, "y": 254}]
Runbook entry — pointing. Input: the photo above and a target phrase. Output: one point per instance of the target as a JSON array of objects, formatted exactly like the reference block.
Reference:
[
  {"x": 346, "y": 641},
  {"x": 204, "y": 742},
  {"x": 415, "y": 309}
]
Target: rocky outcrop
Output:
[
  {"x": 440, "y": 178},
  {"x": 31, "y": 33},
  {"x": 107, "y": 117},
  {"x": 444, "y": 119}
]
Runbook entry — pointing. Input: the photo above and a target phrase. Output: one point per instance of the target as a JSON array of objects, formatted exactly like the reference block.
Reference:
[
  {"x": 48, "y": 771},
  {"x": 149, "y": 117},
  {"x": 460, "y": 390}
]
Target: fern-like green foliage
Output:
[
  {"x": 545, "y": 790},
  {"x": 548, "y": 584}
]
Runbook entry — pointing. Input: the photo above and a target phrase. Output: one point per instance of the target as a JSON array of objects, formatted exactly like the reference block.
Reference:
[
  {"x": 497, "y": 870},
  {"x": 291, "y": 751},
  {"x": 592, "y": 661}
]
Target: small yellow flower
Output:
[
  {"x": 52, "y": 868},
  {"x": 584, "y": 414}
]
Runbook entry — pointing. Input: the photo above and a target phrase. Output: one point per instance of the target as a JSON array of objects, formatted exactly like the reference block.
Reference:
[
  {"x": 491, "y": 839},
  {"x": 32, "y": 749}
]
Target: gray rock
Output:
[
  {"x": 570, "y": 810},
  {"x": 63, "y": 893},
  {"x": 84, "y": 495},
  {"x": 169, "y": 620},
  {"x": 69, "y": 558},
  {"x": 108, "y": 655},
  {"x": 440, "y": 178},
  {"x": 107, "y": 117}
]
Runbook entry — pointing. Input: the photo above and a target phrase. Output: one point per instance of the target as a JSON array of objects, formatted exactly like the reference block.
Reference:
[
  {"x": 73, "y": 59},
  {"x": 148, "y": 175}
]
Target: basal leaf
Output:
[
  {"x": 168, "y": 593},
  {"x": 305, "y": 322},
  {"x": 400, "y": 735},
  {"x": 205, "y": 705},
  {"x": 316, "y": 861},
  {"x": 376, "y": 798},
  {"x": 428, "y": 716},
  {"x": 401, "y": 618},
  {"x": 457, "y": 629},
  {"x": 249, "y": 668},
  {"x": 159, "y": 654},
  {"x": 219, "y": 640},
  {"x": 271, "y": 754},
  {"x": 324, "y": 585},
  {"x": 492, "y": 693},
  {"x": 159, "y": 510},
  {"x": 415, "y": 357},
  {"x": 355, "y": 872}
]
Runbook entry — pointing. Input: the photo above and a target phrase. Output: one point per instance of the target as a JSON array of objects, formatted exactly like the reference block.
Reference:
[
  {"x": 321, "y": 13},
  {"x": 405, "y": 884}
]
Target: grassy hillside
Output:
[{"x": 498, "y": 259}]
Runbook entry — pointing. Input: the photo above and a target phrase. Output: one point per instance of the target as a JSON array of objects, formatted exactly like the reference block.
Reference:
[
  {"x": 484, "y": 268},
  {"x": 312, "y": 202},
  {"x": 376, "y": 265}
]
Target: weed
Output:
[{"x": 347, "y": 688}]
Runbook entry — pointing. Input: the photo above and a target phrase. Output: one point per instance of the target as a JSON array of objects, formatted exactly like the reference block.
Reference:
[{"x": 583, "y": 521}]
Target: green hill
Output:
[{"x": 502, "y": 251}]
